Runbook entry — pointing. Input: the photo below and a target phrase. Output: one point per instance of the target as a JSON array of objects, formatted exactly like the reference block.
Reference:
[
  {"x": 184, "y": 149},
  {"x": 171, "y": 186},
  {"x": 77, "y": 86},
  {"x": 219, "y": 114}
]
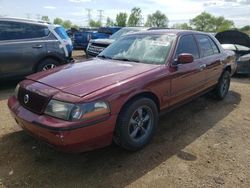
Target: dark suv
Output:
[{"x": 28, "y": 46}]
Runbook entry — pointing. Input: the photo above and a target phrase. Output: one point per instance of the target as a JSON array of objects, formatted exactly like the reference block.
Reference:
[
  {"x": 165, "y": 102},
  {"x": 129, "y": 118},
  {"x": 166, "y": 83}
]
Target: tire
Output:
[
  {"x": 47, "y": 64},
  {"x": 222, "y": 87},
  {"x": 136, "y": 124}
]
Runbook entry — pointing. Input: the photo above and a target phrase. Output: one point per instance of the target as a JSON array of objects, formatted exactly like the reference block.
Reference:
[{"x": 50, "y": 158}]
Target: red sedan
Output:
[{"x": 119, "y": 95}]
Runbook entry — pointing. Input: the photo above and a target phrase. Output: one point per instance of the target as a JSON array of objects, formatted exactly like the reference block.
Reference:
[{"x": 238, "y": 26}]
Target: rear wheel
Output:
[
  {"x": 136, "y": 124},
  {"x": 222, "y": 87},
  {"x": 47, "y": 64}
]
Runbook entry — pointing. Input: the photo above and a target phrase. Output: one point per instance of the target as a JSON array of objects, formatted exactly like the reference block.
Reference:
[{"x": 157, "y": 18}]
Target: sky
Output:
[{"x": 177, "y": 11}]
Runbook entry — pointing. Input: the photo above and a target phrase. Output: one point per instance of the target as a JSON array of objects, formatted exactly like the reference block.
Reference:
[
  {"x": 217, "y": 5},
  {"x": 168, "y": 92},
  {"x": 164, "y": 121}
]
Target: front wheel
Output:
[
  {"x": 222, "y": 87},
  {"x": 47, "y": 64},
  {"x": 136, "y": 124}
]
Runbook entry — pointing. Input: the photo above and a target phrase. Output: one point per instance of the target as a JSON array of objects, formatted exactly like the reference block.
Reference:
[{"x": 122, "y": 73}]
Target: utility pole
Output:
[
  {"x": 89, "y": 14},
  {"x": 100, "y": 15}
]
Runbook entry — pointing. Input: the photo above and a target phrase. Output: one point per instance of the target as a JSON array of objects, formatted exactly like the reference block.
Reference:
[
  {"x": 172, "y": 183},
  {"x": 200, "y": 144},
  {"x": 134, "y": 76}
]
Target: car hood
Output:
[
  {"x": 233, "y": 37},
  {"x": 102, "y": 41},
  {"x": 83, "y": 78}
]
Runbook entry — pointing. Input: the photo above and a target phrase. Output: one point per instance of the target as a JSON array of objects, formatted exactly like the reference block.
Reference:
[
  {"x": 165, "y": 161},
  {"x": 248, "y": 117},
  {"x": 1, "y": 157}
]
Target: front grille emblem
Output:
[{"x": 26, "y": 99}]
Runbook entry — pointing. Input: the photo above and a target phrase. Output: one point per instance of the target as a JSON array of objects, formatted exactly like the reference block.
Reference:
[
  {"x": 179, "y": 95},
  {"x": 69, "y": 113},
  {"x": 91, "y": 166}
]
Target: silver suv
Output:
[{"x": 28, "y": 46}]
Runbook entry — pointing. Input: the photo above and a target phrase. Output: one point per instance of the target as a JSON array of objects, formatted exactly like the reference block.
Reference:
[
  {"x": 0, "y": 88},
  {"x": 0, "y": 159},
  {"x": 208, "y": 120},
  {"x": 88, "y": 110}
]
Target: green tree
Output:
[
  {"x": 135, "y": 17},
  {"x": 184, "y": 26},
  {"x": 209, "y": 23},
  {"x": 121, "y": 19},
  {"x": 109, "y": 22},
  {"x": 67, "y": 24},
  {"x": 58, "y": 21},
  {"x": 203, "y": 22},
  {"x": 45, "y": 18},
  {"x": 75, "y": 26},
  {"x": 221, "y": 24},
  {"x": 246, "y": 29},
  {"x": 93, "y": 23},
  {"x": 157, "y": 19}
]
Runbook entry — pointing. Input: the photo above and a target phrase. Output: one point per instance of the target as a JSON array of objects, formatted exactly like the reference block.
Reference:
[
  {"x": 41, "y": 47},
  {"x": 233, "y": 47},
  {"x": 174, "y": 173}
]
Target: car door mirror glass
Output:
[{"x": 185, "y": 58}]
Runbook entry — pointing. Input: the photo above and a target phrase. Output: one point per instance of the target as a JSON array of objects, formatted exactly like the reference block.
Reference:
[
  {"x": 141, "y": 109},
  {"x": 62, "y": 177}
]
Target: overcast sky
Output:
[{"x": 178, "y": 11}]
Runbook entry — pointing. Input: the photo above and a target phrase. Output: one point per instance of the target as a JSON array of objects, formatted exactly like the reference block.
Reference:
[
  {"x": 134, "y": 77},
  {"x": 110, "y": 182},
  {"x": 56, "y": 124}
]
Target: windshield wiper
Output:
[
  {"x": 125, "y": 59},
  {"x": 104, "y": 57}
]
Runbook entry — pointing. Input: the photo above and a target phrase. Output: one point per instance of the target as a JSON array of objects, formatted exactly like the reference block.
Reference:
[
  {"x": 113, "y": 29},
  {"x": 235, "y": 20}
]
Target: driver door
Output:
[{"x": 187, "y": 79}]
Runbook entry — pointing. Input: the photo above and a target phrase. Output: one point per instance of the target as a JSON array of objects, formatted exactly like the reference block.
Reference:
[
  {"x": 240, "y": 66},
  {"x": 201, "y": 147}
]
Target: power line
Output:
[
  {"x": 89, "y": 14},
  {"x": 100, "y": 15}
]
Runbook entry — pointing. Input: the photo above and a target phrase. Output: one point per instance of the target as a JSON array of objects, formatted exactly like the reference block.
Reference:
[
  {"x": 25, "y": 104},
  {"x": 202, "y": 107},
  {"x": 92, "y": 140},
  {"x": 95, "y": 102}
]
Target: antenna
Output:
[
  {"x": 28, "y": 15},
  {"x": 38, "y": 17}
]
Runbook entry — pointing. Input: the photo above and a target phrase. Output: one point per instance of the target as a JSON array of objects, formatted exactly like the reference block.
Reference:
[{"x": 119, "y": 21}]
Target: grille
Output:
[
  {"x": 95, "y": 49},
  {"x": 36, "y": 103}
]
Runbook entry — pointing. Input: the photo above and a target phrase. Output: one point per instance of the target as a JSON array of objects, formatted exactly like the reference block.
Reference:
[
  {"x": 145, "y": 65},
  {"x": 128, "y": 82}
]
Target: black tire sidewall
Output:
[
  {"x": 123, "y": 122},
  {"x": 225, "y": 75}
]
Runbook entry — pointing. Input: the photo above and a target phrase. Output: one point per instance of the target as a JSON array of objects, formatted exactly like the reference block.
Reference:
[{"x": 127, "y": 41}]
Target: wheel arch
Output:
[
  {"x": 54, "y": 57},
  {"x": 144, "y": 94}
]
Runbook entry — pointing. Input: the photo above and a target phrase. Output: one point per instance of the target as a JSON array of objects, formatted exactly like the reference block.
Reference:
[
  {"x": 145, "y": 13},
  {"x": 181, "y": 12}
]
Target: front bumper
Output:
[
  {"x": 243, "y": 67},
  {"x": 63, "y": 135}
]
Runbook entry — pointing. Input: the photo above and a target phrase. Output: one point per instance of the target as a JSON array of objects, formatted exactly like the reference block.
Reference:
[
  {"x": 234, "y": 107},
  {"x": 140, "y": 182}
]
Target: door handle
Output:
[
  {"x": 202, "y": 67},
  {"x": 37, "y": 46}
]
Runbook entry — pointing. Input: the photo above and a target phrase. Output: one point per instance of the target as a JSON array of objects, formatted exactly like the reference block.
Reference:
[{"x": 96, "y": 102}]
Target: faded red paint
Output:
[{"x": 115, "y": 82}]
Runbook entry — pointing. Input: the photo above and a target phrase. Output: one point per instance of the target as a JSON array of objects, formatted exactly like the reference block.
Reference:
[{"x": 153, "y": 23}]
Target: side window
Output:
[
  {"x": 34, "y": 31},
  {"x": 187, "y": 44},
  {"x": 214, "y": 46},
  {"x": 8, "y": 31},
  {"x": 15, "y": 31},
  {"x": 206, "y": 48}
]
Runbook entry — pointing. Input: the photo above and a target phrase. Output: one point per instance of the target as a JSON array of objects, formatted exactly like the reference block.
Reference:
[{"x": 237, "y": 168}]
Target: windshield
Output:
[
  {"x": 150, "y": 49},
  {"x": 124, "y": 31}
]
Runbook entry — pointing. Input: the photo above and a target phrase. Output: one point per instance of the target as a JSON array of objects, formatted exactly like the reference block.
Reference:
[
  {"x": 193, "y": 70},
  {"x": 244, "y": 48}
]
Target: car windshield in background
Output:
[
  {"x": 124, "y": 31},
  {"x": 150, "y": 49},
  {"x": 61, "y": 32}
]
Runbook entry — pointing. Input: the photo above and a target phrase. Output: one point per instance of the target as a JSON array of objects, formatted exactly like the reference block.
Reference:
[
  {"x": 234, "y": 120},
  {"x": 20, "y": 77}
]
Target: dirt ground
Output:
[{"x": 205, "y": 143}]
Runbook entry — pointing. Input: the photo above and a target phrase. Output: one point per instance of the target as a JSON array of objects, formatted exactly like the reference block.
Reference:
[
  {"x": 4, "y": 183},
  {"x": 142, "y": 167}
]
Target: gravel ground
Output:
[{"x": 205, "y": 143}]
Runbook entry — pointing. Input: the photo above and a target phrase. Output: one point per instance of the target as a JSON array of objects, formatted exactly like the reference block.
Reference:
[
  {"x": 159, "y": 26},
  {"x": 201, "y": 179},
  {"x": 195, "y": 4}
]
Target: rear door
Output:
[
  {"x": 211, "y": 57},
  {"x": 188, "y": 79},
  {"x": 21, "y": 46}
]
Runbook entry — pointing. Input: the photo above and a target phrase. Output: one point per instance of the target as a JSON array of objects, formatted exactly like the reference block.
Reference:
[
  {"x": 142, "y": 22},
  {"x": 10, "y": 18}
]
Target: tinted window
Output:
[
  {"x": 206, "y": 48},
  {"x": 214, "y": 46},
  {"x": 14, "y": 30},
  {"x": 187, "y": 44}
]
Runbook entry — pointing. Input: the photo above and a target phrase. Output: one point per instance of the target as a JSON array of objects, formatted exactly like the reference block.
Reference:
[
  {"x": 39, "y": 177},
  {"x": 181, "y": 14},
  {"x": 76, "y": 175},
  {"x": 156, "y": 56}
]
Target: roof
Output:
[{"x": 23, "y": 20}]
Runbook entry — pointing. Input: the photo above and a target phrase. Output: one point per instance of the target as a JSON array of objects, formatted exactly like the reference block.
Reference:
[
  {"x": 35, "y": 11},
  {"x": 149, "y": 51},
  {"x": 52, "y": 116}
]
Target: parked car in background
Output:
[
  {"x": 239, "y": 43},
  {"x": 96, "y": 46},
  {"x": 119, "y": 95},
  {"x": 83, "y": 36},
  {"x": 28, "y": 46}
]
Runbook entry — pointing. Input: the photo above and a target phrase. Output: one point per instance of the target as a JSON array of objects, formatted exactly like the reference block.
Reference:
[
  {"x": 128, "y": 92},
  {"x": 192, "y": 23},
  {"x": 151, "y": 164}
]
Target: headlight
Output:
[
  {"x": 16, "y": 91},
  {"x": 75, "y": 112}
]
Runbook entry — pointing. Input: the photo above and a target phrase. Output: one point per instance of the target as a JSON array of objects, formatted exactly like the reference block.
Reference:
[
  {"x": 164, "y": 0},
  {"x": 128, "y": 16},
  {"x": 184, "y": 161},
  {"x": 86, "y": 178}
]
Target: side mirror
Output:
[{"x": 185, "y": 58}]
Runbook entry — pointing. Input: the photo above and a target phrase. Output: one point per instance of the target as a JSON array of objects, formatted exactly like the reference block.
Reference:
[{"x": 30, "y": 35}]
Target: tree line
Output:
[{"x": 203, "y": 22}]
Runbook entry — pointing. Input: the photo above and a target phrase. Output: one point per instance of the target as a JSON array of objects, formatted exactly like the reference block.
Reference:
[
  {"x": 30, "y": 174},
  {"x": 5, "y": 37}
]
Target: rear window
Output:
[
  {"x": 15, "y": 30},
  {"x": 61, "y": 32},
  {"x": 205, "y": 45},
  {"x": 214, "y": 46}
]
